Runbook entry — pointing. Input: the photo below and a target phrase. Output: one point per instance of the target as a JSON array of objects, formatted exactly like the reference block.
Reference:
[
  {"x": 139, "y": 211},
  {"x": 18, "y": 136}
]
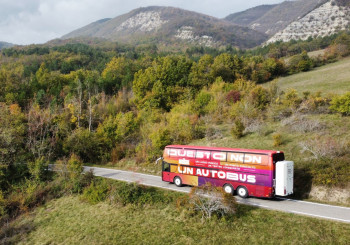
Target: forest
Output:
[{"x": 74, "y": 104}]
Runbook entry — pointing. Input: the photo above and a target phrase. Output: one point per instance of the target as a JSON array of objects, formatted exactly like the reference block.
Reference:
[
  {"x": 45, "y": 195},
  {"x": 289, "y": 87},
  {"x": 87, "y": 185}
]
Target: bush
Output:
[
  {"x": 237, "y": 129},
  {"x": 96, "y": 192},
  {"x": 233, "y": 96},
  {"x": 209, "y": 200},
  {"x": 132, "y": 193},
  {"x": 78, "y": 184},
  {"x": 324, "y": 147},
  {"x": 38, "y": 169},
  {"x": 291, "y": 99},
  {"x": 201, "y": 102},
  {"x": 75, "y": 166},
  {"x": 2, "y": 204},
  {"x": 300, "y": 123},
  {"x": 341, "y": 104},
  {"x": 277, "y": 140},
  {"x": 86, "y": 145},
  {"x": 259, "y": 97}
]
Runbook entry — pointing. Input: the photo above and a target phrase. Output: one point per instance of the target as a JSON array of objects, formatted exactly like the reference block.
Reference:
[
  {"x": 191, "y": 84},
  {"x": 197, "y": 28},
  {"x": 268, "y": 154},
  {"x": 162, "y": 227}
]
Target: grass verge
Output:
[{"x": 69, "y": 220}]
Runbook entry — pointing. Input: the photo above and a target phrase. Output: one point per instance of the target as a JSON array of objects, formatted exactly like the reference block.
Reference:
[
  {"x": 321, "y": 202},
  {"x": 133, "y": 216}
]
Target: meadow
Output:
[{"x": 332, "y": 78}]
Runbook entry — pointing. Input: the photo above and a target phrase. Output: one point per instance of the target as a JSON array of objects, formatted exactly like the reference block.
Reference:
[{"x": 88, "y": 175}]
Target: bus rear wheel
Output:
[
  {"x": 178, "y": 181},
  {"x": 228, "y": 188},
  {"x": 242, "y": 192}
]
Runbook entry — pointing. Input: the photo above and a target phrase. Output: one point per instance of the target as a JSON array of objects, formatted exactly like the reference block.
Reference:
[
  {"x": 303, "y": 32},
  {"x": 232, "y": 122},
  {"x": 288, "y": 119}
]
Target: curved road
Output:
[{"x": 324, "y": 211}]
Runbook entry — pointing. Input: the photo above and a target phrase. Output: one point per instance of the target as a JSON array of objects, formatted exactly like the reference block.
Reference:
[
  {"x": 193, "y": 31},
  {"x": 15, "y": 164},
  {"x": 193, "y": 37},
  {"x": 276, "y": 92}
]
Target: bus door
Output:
[
  {"x": 277, "y": 157},
  {"x": 166, "y": 171}
]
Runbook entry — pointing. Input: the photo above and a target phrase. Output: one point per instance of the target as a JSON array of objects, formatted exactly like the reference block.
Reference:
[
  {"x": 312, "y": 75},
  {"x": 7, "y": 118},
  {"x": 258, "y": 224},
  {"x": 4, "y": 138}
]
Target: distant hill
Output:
[
  {"x": 271, "y": 19},
  {"x": 245, "y": 18},
  {"x": 325, "y": 20},
  {"x": 5, "y": 45},
  {"x": 170, "y": 26}
]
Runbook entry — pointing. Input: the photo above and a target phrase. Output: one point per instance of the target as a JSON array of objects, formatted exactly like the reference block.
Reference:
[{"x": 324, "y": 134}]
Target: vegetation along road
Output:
[{"x": 318, "y": 210}]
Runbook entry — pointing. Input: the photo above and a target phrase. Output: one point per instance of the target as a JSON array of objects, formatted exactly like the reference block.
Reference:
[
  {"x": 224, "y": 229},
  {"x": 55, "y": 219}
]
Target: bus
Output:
[{"x": 259, "y": 173}]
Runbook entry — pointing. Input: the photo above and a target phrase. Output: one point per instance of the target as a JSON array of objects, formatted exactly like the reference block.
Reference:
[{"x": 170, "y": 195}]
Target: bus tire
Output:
[
  {"x": 228, "y": 188},
  {"x": 178, "y": 181},
  {"x": 242, "y": 191}
]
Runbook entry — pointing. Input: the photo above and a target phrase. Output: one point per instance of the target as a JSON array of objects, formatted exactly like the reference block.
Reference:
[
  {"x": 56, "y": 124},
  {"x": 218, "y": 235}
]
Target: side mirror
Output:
[{"x": 159, "y": 159}]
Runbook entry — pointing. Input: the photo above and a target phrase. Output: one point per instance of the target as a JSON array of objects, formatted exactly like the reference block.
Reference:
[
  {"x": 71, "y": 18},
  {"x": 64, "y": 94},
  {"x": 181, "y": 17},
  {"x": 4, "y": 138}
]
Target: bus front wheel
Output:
[
  {"x": 242, "y": 192},
  {"x": 228, "y": 188},
  {"x": 178, "y": 181}
]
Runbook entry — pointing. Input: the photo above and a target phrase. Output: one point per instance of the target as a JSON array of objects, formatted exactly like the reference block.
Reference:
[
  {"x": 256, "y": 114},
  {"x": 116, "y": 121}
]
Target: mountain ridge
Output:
[
  {"x": 170, "y": 25},
  {"x": 278, "y": 17},
  {"x": 6, "y": 45},
  {"x": 327, "y": 19}
]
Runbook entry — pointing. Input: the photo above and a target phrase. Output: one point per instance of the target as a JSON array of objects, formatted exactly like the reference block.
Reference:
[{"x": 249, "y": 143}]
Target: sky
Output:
[{"x": 38, "y": 21}]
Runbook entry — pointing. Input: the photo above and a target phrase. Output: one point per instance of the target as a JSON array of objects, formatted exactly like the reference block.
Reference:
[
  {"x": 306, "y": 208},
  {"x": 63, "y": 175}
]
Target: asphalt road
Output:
[{"x": 323, "y": 211}]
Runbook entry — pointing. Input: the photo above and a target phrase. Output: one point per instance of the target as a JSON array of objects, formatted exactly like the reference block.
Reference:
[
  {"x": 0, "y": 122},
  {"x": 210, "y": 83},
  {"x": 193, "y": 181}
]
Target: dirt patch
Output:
[{"x": 327, "y": 194}]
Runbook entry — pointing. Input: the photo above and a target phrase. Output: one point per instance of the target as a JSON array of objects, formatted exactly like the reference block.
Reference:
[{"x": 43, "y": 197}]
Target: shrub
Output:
[
  {"x": 277, "y": 140},
  {"x": 300, "y": 123},
  {"x": 291, "y": 99},
  {"x": 209, "y": 200},
  {"x": 96, "y": 192},
  {"x": 237, "y": 129},
  {"x": 324, "y": 147},
  {"x": 2, "y": 204},
  {"x": 341, "y": 104},
  {"x": 255, "y": 127},
  {"x": 233, "y": 96},
  {"x": 183, "y": 125},
  {"x": 246, "y": 112},
  {"x": 75, "y": 166},
  {"x": 38, "y": 168},
  {"x": 132, "y": 193},
  {"x": 78, "y": 184},
  {"x": 259, "y": 97},
  {"x": 201, "y": 102},
  {"x": 86, "y": 145}
]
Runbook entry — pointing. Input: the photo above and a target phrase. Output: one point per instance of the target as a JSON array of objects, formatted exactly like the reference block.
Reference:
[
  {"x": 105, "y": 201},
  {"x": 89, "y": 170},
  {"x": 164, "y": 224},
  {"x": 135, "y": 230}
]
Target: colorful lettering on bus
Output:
[{"x": 249, "y": 172}]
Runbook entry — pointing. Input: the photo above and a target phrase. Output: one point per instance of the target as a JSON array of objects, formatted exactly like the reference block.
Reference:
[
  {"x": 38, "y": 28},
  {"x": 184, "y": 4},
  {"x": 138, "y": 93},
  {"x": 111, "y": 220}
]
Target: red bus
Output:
[{"x": 259, "y": 173}]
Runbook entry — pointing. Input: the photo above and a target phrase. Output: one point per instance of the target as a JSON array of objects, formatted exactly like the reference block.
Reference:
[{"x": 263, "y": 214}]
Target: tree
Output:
[
  {"x": 300, "y": 62},
  {"x": 225, "y": 66},
  {"x": 12, "y": 142},
  {"x": 42, "y": 132},
  {"x": 201, "y": 75},
  {"x": 163, "y": 84},
  {"x": 116, "y": 75}
]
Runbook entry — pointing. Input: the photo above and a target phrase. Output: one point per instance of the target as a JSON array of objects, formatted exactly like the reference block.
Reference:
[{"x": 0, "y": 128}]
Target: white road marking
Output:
[{"x": 312, "y": 203}]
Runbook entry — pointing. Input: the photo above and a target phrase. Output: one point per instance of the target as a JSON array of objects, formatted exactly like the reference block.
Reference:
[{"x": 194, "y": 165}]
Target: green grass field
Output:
[
  {"x": 331, "y": 78},
  {"x": 68, "y": 220}
]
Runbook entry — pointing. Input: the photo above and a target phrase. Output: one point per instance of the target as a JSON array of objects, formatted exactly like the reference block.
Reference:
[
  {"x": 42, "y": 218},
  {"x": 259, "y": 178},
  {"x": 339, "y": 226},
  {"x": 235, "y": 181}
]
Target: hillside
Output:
[
  {"x": 5, "y": 45},
  {"x": 245, "y": 18},
  {"x": 331, "y": 78},
  {"x": 274, "y": 19},
  {"x": 167, "y": 26},
  {"x": 326, "y": 20}
]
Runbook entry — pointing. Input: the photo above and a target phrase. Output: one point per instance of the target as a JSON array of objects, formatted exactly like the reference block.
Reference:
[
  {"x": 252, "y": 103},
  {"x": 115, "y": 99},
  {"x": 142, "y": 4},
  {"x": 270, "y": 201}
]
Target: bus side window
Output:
[{"x": 166, "y": 166}]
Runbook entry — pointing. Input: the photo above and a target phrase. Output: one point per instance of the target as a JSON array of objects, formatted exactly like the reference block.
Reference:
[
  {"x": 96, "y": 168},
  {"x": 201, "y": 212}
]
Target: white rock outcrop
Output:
[
  {"x": 323, "y": 21},
  {"x": 186, "y": 33},
  {"x": 144, "y": 21}
]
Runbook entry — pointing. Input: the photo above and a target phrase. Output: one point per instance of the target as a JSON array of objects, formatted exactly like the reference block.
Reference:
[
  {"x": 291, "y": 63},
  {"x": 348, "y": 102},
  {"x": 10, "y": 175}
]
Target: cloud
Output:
[{"x": 38, "y": 21}]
